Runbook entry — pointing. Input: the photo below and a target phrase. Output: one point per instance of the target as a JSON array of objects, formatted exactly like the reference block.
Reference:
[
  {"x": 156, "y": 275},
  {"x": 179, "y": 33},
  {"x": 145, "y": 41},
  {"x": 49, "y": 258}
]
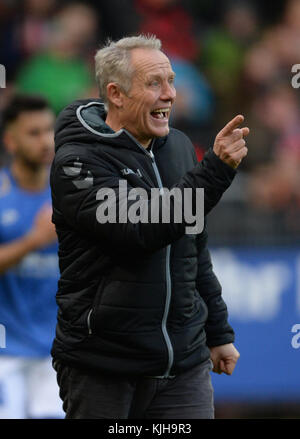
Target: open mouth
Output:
[{"x": 161, "y": 113}]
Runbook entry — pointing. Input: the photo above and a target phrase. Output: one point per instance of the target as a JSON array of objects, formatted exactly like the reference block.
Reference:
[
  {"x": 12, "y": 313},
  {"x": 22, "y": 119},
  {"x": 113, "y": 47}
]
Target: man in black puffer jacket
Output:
[{"x": 141, "y": 320}]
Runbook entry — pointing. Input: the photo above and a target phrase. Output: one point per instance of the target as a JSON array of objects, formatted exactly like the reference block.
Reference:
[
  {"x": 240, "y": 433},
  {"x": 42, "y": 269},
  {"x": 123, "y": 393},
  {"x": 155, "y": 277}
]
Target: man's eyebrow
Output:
[{"x": 158, "y": 76}]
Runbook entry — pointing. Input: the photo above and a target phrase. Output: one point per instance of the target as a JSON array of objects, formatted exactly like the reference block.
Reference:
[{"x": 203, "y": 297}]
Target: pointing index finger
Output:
[{"x": 233, "y": 124}]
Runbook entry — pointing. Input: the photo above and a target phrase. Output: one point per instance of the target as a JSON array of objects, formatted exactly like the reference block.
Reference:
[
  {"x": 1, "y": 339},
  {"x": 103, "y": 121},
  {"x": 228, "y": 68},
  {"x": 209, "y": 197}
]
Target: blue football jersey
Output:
[{"x": 27, "y": 290}]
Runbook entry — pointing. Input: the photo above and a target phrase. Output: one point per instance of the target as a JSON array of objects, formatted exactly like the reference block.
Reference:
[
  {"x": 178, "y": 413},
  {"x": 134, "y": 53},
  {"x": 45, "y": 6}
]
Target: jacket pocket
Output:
[
  {"x": 88, "y": 321},
  {"x": 96, "y": 304},
  {"x": 202, "y": 309}
]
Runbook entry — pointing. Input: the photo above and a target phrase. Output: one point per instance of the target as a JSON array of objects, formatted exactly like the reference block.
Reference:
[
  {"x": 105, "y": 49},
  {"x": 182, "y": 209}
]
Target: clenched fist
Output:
[
  {"x": 230, "y": 145},
  {"x": 224, "y": 358}
]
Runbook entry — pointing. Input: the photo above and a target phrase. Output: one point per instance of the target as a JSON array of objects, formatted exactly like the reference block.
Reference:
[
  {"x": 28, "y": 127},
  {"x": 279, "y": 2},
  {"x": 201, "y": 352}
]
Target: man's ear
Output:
[
  {"x": 115, "y": 94},
  {"x": 8, "y": 141}
]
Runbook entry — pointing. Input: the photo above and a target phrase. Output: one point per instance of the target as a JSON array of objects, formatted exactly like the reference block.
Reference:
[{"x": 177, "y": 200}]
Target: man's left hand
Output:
[{"x": 224, "y": 358}]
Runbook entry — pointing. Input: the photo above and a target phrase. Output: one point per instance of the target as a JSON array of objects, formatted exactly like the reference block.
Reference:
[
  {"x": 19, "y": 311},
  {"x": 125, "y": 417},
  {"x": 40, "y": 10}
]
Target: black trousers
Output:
[{"x": 87, "y": 395}]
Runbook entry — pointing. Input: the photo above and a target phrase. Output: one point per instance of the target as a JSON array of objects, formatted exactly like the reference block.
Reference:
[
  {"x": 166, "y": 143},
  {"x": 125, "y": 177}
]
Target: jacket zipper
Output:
[
  {"x": 89, "y": 321},
  {"x": 168, "y": 283},
  {"x": 168, "y": 274}
]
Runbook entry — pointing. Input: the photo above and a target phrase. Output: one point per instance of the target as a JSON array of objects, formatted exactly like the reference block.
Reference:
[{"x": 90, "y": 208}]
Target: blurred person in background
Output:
[
  {"x": 34, "y": 27},
  {"x": 172, "y": 23},
  {"x": 10, "y": 48},
  {"x": 275, "y": 183},
  {"x": 283, "y": 39},
  {"x": 194, "y": 107},
  {"x": 193, "y": 111},
  {"x": 272, "y": 57},
  {"x": 115, "y": 18},
  {"x": 25, "y": 30},
  {"x": 267, "y": 197},
  {"x": 223, "y": 51},
  {"x": 266, "y": 194},
  {"x": 62, "y": 72},
  {"x": 28, "y": 263}
]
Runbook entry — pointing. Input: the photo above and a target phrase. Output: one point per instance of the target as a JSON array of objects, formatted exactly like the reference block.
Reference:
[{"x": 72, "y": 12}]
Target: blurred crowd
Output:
[{"x": 230, "y": 57}]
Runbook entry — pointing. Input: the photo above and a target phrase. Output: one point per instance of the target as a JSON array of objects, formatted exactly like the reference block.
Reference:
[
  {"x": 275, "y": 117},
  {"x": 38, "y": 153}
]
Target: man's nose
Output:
[
  {"x": 47, "y": 139},
  {"x": 168, "y": 92}
]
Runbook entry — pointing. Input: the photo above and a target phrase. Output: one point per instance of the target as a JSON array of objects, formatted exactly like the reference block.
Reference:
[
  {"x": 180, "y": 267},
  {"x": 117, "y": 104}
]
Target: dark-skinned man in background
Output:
[{"x": 28, "y": 262}]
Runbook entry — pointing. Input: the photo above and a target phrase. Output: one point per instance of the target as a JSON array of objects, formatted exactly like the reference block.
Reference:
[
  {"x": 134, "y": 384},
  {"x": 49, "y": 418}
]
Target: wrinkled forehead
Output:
[{"x": 146, "y": 62}]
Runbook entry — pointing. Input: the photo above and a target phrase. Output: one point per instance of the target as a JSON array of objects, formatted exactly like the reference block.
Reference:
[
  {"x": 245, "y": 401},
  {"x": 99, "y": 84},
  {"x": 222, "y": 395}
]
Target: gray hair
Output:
[{"x": 113, "y": 64}]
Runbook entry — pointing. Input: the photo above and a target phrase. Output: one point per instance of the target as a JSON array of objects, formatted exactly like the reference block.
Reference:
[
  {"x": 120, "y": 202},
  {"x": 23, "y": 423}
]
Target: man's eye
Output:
[
  {"x": 171, "y": 81},
  {"x": 34, "y": 133},
  {"x": 154, "y": 83}
]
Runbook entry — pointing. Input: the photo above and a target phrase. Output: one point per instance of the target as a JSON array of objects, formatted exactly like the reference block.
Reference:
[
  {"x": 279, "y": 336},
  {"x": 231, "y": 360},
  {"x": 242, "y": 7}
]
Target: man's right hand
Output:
[
  {"x": 230, "y": 145},
  {"x": 43, "y": 231}
]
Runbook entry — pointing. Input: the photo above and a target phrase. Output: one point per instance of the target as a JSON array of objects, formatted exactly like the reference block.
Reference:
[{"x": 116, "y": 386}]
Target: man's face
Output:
[
  {"x": 30, "y": 137},
  {"x": 152, "y": 89}
]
